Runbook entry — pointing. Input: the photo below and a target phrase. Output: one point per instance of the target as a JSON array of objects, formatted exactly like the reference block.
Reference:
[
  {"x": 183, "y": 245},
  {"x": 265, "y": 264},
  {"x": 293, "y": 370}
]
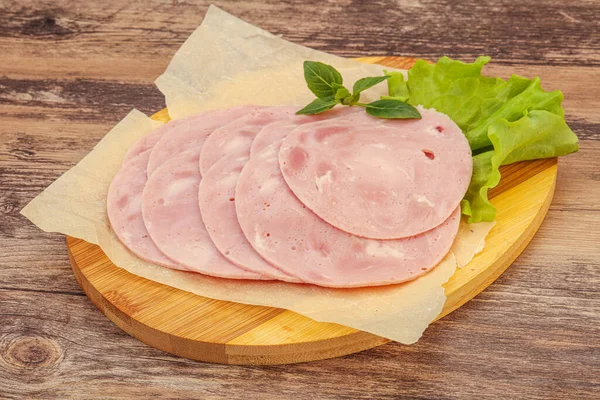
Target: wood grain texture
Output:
[{"x": 531, "y": 334}]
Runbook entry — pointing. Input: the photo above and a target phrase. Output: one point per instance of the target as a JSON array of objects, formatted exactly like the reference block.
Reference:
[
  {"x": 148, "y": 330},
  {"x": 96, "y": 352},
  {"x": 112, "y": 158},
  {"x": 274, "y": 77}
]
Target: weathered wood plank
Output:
[
  {"x": 544, "y": 32},
  {"x": 80, "y": 99},
  {"x": 100, "y": 99},
  {"x": 69, "y": 70},
  {"x": 76, "y": 344}
]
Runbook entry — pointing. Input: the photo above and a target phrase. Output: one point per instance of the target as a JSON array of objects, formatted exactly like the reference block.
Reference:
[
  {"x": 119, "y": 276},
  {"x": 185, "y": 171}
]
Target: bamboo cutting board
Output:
[{"x": 210, "y": 330}]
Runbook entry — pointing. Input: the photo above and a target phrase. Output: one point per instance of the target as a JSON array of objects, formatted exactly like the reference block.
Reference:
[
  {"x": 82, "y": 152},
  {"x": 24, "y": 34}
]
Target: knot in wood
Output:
[
  {"x": 31, "y": 352},
  {"x": 48, "y": 25},
  {"x": 7, "y": 206}
]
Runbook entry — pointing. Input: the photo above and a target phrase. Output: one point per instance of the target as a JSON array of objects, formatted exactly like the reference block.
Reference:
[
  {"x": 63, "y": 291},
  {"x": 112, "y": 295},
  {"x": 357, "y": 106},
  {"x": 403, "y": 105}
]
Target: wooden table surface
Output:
[{"x": 69, "y": 70}]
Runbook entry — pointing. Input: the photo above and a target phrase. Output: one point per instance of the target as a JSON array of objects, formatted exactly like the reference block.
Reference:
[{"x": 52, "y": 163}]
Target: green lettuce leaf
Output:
[
  {"x": 539, "y": 134},
  {"x": 505, "y": 121},
  {"x": 397, "y": 87},
  {"x": 475, "y": 101},
  {"x": 475, "y": 204}
]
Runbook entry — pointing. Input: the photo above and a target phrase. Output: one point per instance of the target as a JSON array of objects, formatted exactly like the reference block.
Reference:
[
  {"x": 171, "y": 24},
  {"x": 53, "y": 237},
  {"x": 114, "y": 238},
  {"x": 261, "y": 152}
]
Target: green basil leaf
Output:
[
  {"x": 390, "y": 108},
  {"x": 319, "y": 105},
  {"x": 365, "y": 83},
  {"x": 321, "y": 78}
]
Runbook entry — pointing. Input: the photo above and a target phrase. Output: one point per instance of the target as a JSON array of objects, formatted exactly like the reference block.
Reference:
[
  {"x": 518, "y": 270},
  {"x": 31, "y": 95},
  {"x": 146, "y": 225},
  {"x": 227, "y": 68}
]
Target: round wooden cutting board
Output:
[{"x": 204, "y": 329}]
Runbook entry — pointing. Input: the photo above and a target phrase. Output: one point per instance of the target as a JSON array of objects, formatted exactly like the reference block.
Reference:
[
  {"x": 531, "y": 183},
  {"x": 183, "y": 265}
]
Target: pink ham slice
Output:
[
  {"x": 235, "y": 139},
  {"x": 385, "y": 180},
  {"x": 192, "y": 132},
  {"x": 147, "y": 142},
  {"x": 277, "y": 131},
  {"x": 172, "y": 217},
  {"x": 125, "y": 211},
  {"x": 290, "y": 236},
  {"x": 217, "y": 206},
  {"x": 217, "y": 196}
]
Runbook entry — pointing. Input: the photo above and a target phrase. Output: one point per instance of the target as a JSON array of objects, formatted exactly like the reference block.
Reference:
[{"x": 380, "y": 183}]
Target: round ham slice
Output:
[
  {"x": 290, "y": 236},
  {"x": 277, "y": 131},
  {"x": 235, "y": 138},
  {"x": 217, "y": 206},
  {"x": 192, "y": 132},
  {"x": 217, "y": 195},
  {"x": 391, "y": 180},
  {"x": 147, "y": 142},
  {"x": 125, "y": 211},
  {"x": 172, "y": 217}
]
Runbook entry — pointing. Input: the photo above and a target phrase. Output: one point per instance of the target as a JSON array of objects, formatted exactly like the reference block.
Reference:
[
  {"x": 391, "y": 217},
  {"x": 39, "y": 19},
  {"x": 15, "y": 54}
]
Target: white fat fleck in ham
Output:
[
  {"x": 293, "y": 238},
  {"x": 172, "y": 216},
  {"x": 260, "y": 243},
  {"x": 323, "y": 179},
  {"x": 403, "y": 180},
  {"x": 268, "y": 185},
  {"x": 379, "y": 145},
  {"x": 419, "y": 198},
  {"x": 432, "y": 130},
  {"x": 381, "y": 249}
]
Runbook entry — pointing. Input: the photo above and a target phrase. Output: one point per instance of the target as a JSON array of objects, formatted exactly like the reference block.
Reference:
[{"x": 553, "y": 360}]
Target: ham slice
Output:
[
  {"x": 277, "y": 131},
  {"x": 217, "y": 206},
  {"x": 235, "y": 138},
  {"x": 172, "y": 217},
  {"x": 125, "y": 211},
  {"x": 287, "y": 234},
  {"x": 147, "y": 142},
  {"x": 386, "y": 179},
  {"x": 192, "y": 132},
  {"x": 217, "y": 195}
]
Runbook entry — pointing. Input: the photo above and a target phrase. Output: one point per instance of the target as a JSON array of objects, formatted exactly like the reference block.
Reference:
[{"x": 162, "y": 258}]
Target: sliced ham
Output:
[
  {"x": 384, "y": 179},
  {"x": 147, "y": 142},
  {"x": 125, "y": 211},
  {"x": 192, "y": 132},
  {"x": 290, "y": 236},
  {"x": 235, "y": 138},
  {"x": 277, "y": 131},
  {"x": 217, "y": 206},
  {"x": 217, "y": 195},
  {"x": 172, "y": 217}
]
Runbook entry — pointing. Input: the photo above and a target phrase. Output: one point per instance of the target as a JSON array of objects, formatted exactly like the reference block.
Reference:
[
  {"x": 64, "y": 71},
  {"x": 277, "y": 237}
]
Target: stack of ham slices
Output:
[{"x": 340, "y": 199}]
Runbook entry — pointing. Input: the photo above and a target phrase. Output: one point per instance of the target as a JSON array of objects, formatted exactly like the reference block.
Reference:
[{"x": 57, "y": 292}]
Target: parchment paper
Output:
[
  {"x": 227, "y": 62},
  {"x": 470, "y": 240}
]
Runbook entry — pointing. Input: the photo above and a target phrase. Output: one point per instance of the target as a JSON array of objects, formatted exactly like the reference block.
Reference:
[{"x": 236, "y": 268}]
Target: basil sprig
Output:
[
  {"x": 322, "y": 79},
  {"x": 327, "y": 84}
]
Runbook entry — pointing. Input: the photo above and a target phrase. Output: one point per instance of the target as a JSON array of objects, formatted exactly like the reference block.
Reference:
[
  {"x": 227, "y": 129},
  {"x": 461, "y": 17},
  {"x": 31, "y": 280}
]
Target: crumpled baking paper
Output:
[{"x": 228, "y": 62}]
